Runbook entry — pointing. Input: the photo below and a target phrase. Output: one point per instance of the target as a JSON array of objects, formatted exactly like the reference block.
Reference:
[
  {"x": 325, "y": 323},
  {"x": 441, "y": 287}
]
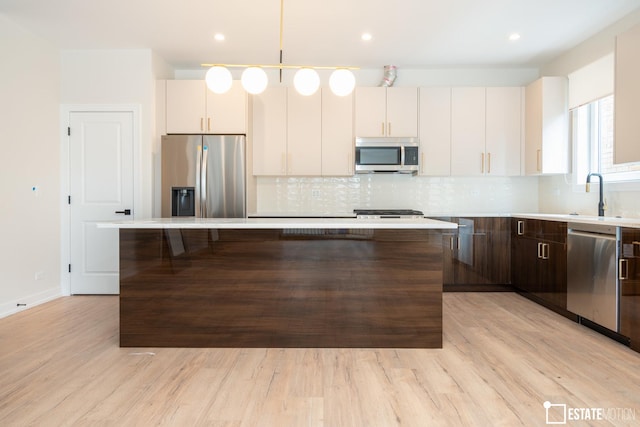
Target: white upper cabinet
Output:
[
  {"x": 402, "y": 111},
  {"x": 547, "y": 126},
  {"x": 486, "y": 131},
  {"x": 504, "y": 130},
  {"x": 381, "y": 111},
  {"x": 269, "y": 120},
  {"x": 192, "y": 108},
  {"x": 337, "y": 134},
  {"x": 435, "y": 131},
  {"x": 304, "y": 139},
  {"x": 627, "y": 93},
  {"x": 296, "y": 135},
  {"x": 227, "y": 112},
  {"x": 468, "y": 126},
  {"x": 186, "y": 106}
]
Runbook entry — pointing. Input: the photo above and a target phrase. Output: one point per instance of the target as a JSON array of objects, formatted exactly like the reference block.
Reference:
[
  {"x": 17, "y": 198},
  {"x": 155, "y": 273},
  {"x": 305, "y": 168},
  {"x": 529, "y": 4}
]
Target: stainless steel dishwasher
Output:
[{"x": 592, "y": 279}]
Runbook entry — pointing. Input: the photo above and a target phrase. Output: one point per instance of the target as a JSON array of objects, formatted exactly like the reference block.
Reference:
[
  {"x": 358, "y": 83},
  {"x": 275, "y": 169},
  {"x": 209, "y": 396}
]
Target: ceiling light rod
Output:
[
  {"x": 281, "y": 32},
  {"x": 282, "y": 66}
]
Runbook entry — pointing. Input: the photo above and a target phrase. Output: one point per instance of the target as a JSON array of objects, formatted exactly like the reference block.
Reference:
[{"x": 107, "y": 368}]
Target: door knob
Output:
[{"x": 126, "y": 212}]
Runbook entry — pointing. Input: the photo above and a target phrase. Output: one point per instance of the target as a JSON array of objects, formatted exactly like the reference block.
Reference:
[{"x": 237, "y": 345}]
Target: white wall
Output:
[
  {"x": 558, "y": 195},
  {"x": 109, "y": 77},
  {"x": 29, "y": 156}
]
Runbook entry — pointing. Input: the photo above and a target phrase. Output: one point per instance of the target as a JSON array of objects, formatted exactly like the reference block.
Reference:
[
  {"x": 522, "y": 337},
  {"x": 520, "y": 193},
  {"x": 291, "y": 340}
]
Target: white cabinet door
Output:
[
  {"x": 186, "y": 106},
  {"x": 503, "y": 133},
  {"x": 381, "y": 111},
  {"x": 370, "y": 111},
  {"x": 627, "y": 93},
  {"x": 227, "y": 112},
  {"x": 270, "y": 132},
  {"x": 304, "y": 149},
  {"x": 337, "y": 134},
  {"x": 435, "y": 131},
  {"x": 402, "y": 111},
  {"x": 468, "y": 131},
  {"x": 547, "y": 126}
]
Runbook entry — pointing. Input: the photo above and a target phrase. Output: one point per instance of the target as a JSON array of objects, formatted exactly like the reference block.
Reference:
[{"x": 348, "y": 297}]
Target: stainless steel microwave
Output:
[{"x": 390, "y": 155}]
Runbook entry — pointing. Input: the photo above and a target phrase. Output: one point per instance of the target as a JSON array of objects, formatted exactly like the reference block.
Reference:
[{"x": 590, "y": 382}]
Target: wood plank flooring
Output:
[{"x": 503, "y": 356}]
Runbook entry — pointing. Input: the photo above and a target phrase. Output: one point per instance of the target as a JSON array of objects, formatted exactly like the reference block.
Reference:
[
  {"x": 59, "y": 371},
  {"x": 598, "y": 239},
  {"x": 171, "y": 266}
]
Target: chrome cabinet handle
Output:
[
  {"x": 623, "y": 273},
  {"x": 539, "y": 250},
  {"x": 520, "y": 228},
  {"x": 545, "y": 253}
]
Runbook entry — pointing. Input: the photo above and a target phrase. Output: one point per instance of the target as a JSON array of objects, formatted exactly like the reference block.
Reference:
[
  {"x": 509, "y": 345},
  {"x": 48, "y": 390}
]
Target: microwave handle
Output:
[{"x": 402, "y": 155}]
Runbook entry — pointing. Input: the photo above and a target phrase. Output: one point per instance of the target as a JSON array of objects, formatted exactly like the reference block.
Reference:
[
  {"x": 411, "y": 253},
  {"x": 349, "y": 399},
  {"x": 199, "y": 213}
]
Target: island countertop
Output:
[{"x": 279, "y": 223}]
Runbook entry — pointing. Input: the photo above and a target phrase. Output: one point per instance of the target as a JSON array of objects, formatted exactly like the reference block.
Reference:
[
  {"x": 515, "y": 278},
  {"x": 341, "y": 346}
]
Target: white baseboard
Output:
[{"x": 11, "y": 307}]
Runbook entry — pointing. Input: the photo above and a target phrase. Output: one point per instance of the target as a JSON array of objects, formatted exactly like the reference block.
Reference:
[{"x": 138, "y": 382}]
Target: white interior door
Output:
[{"x": 101, "y": 189}]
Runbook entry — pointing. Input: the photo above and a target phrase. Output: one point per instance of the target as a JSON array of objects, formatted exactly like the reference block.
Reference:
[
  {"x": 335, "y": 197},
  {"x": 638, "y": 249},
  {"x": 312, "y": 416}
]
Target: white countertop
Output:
[
  {"x": 277, "y": 223},
  {"x": 584, "y": 219}
]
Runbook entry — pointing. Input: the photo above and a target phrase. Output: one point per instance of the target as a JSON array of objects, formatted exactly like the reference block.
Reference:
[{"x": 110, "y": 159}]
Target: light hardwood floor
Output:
[{"x": 503, "y": 356}]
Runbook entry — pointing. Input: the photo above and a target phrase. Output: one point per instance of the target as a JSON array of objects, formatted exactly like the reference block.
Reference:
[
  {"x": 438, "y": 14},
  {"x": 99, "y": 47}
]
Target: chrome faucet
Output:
[{"x": 601, "y": 202}]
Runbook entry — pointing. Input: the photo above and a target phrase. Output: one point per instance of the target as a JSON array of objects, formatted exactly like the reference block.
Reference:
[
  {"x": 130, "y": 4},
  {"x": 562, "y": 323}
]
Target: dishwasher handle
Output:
[{"x": 591, "y": 235}]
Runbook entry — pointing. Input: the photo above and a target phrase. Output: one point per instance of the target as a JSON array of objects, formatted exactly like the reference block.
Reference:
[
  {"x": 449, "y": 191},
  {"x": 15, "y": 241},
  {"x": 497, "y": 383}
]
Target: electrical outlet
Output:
[
  {"x": 315, "y": 194},
  {"x": 39, "y": 275}
]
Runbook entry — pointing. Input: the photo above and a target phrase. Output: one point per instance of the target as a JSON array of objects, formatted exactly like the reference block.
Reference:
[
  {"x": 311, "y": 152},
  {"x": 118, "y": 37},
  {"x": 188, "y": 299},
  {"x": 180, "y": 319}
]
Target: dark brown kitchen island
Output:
[{"x": 224, "y": 284}]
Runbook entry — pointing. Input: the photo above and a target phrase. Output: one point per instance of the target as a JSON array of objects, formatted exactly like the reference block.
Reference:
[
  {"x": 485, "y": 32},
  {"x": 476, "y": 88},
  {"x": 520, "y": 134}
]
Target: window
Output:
[{"x": 592, "y": 133}]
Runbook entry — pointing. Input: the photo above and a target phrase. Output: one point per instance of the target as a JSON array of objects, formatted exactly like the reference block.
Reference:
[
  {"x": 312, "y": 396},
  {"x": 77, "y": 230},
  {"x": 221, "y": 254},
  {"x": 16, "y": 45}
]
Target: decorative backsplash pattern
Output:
[{"x": 434, "y": 196}]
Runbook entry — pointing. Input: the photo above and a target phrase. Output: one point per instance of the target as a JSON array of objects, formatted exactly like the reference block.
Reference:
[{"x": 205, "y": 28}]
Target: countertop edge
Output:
[{"x": 278, "y": 223}]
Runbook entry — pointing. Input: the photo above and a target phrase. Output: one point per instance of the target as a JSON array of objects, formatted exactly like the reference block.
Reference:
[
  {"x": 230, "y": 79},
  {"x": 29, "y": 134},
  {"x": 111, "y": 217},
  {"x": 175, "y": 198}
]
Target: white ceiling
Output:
[{"x": 406, "y": 33}]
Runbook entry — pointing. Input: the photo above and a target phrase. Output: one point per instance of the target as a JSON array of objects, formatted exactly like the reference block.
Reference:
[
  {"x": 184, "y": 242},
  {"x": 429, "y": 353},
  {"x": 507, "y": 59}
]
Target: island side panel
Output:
[{"x": 280, "y": 288}]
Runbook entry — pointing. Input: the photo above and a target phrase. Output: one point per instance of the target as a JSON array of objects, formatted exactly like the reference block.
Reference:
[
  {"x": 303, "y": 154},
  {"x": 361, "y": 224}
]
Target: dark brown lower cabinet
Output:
[
  {"x": 539, "y": 261},
  {"x": 630, "y": 286},
  {"x": 477, "y": 255}
]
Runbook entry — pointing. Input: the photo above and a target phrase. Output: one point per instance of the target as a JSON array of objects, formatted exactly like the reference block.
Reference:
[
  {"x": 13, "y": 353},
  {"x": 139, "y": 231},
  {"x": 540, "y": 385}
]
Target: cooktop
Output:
[{"x": 388, "y": 213}]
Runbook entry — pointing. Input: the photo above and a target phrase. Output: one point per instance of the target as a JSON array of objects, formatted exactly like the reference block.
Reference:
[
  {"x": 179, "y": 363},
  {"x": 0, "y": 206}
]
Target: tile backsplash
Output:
[
  {"x": 432, "y": 195},
  {"x": 562, "y": 196}
]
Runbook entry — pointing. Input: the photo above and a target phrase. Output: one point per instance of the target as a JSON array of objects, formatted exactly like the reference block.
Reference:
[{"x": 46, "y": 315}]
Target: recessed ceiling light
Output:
[
  {"x": 366, "y": 36},
  {"x": 514, "y": 36},
  {"x": 219, "y": 37}
]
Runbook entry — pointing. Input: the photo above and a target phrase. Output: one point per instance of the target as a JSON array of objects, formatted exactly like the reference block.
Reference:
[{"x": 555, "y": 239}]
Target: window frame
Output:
[{"x": 617, "y": 181}]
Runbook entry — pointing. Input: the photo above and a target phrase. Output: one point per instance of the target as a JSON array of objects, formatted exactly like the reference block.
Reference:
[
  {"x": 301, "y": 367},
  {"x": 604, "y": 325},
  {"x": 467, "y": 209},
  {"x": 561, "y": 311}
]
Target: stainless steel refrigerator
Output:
[{"x": 203, "y": 176}]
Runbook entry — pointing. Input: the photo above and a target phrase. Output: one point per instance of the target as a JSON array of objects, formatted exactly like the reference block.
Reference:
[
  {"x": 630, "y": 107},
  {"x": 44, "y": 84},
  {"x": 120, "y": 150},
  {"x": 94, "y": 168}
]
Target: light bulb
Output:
[
  {"x": 218, "y": 79},
  {"x": 306, "y": 81},
  {"x": 342, "y": 82},
  {"x": 254, "y": 80}
]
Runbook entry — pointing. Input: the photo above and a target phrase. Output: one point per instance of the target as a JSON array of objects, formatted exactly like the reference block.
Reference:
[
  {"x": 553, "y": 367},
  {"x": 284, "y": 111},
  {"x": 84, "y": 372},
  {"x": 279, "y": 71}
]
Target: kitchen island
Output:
[{"x": 269, "y": 282}]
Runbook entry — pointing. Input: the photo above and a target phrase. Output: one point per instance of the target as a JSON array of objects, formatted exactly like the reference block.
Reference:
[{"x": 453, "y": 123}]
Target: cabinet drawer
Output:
[{"x": 552, "y": 231}]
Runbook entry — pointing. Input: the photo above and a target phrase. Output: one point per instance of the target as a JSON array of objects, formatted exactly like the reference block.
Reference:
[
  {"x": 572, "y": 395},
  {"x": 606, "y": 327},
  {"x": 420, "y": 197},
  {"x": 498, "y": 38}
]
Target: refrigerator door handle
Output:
[
  {"x": 198, "y": 198},
  {"x": 203, "y": 182}
]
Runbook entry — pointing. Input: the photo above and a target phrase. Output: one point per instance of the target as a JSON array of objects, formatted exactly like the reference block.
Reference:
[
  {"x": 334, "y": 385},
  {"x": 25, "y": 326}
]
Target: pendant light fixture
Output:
[
  {"x": 218, "y": 79},
  {"x": 254, "y": 80},
  {"x": 306, "y": 80}
]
